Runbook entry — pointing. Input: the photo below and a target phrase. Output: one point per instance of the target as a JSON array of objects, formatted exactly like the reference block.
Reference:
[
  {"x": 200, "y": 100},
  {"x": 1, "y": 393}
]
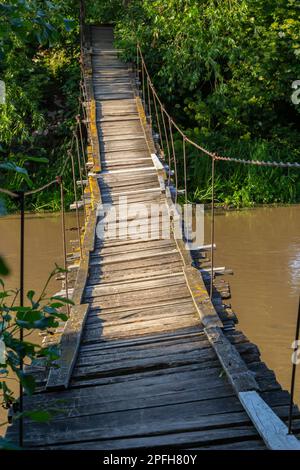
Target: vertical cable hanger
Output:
[
  {"x": 59, "y": 180},
  {"x": 174, "y": 159},
  {"x": 143, "y": 85},
  {"x": 184, "y": 170},
  {"x": 158, "y": 122},
  {"x": 149, "y": 105},
  {"x": 22, "y": 239},
  {"x": 82, "y": 148},
  {"x": 76, "y": 202},
  {"x": 167, "y": 143},
  {"x": 80, "y": 173},
  {"x": 137, "y": 65},
  {"x": 212, "y": 227}
]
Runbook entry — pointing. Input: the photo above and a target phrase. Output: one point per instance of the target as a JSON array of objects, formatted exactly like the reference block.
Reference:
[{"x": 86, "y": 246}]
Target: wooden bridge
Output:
[{"x": 147, "y": 359}]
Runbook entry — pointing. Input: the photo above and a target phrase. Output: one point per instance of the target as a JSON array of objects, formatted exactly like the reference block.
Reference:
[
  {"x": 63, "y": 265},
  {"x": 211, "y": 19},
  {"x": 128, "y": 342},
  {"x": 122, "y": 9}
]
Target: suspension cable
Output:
[
  {"x": 38, "y": 190},
  {"x": 8, "y": 192},
  {"x": 149, "y": 104},
  {"x": 63, "y": 229},
  {"x": 80, "y": 173},
  {"x": 184, "y": 170},
  {"x": 143, "y": 83},
  {"x": 212, "y": 231},
  {"x": 158, "y": 123},
  {"x": 167, "y": 142},
  {"x": 214, "y": 155}
]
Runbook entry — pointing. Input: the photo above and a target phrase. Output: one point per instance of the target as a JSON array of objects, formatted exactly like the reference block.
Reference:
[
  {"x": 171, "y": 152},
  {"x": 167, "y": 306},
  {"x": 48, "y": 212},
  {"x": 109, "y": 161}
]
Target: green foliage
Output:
[
  {"x": 225, "y": 70},
  {"x": 41, "y": 313},
  {"x": 105, "y": 12},
  {"x": 39, "y": 46}
]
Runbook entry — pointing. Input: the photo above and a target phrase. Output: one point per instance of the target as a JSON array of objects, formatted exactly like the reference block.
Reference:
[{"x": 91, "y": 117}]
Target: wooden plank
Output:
[
  {"x": 69, "y": 347},
  {"x": 198, "y": 291},
  {"x": 188, "y": 441},
  {"x": 156, "y": 162},
  {"x": 160, "y": 260},
  {"x": 237, "y": 372},
  {"x": 152, "y": 421},
  {"x": 139, "y": 256},
  {"x": 272, "y": 430},
  {"x": 124, "y": 246},
  {"x": 140, "y": 329},
  {"x": 143, "y": 273},
  {"x": 144, "y": 284}
]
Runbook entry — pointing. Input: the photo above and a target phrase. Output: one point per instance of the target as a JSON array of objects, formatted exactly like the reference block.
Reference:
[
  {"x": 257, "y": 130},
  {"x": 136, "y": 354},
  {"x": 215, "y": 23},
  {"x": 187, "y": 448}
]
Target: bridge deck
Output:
[{"x": 147, "y": 373}]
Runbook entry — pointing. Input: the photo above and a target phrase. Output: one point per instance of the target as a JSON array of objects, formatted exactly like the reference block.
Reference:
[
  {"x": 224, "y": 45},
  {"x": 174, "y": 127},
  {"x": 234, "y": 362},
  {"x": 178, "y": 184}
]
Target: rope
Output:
[
  {"x": 38, "y": 190},
  {"x": 259, "y": 162},
  {"x": 208, "y": 152},
  {"x": 9, "y": 193}
]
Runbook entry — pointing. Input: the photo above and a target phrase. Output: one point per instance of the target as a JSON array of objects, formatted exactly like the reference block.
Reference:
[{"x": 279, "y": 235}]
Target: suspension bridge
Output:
[{"x": 150, "y": 355}]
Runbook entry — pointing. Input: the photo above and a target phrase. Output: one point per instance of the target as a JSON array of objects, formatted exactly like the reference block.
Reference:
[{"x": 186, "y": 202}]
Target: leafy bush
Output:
[
  {"x": 225, "y": 70},
  {"x": 42, "y": 313},
  {"x": 39, "y": 46}
]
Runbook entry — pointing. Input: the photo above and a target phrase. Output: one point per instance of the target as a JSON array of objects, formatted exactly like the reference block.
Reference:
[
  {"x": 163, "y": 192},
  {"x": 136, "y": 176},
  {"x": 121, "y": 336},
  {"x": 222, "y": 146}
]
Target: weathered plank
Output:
[
  {"x": 69, "y": 347},
  {"x": 273, "y": 431}
]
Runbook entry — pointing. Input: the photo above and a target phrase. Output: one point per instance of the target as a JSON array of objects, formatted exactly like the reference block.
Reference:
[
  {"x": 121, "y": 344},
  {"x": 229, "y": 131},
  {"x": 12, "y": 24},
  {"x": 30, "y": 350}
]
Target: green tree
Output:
[{"x": 225, "y": 69}]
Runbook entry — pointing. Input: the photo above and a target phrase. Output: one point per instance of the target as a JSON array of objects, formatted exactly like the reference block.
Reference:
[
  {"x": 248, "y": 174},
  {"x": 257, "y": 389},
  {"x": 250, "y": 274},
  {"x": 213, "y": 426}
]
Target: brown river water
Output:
[
  {"x": 261, "y": 245},
  {"x": 43, "y": 248}
]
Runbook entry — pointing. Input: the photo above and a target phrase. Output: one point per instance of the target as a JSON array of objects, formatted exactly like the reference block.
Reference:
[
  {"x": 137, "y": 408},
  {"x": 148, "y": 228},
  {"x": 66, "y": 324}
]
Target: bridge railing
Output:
[{"x": 163, "y": 128}]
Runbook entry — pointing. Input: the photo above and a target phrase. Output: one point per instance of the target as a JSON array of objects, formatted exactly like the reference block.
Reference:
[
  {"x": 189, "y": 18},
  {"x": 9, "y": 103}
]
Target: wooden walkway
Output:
[{"x": 154, "y": 365}]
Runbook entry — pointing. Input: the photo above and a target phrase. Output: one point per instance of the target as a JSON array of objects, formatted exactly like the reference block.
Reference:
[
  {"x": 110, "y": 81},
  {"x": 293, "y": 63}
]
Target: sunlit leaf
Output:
[{"x": 40, "y": 416}]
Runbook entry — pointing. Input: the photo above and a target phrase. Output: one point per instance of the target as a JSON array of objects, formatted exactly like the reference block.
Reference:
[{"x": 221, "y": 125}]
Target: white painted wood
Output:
[
  {"x": 200, "y": 247},
  {"x": 162, "y": 184},
  {"x": 127, "y": 170},
  {"x": 75, "y": 205},
  {"x": 272, "y": 430},
  {"x": 220, "y": 270},
  {"x": 156, "y": 162}
]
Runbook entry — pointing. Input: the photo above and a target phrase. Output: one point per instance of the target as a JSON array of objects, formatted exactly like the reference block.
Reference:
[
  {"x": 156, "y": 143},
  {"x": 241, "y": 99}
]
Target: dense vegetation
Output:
[
  {"x": 39, "y": 50},
  {"x": 224, "y": 69}
]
